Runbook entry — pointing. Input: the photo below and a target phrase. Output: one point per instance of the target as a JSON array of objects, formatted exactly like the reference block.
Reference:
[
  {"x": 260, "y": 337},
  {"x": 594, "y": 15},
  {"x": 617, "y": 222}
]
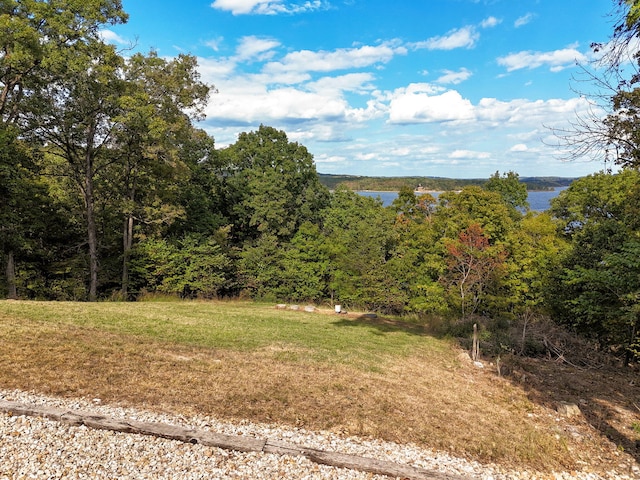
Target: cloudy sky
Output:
[{"x": 452, "y": 88}]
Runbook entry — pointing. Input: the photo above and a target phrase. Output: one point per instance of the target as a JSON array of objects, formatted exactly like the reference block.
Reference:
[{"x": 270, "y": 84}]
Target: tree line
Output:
[
  {"x": 109, "y": 190},
  {"x": 433, "y": 184}
]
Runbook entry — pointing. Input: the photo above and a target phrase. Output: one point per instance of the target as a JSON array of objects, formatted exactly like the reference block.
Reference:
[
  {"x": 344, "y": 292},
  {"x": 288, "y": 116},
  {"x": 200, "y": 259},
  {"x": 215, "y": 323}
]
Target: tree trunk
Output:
[
  {"x": 127, "y": 240},
  {"x": 92, "y": 236},
  {"x": 11, "y": 277}
]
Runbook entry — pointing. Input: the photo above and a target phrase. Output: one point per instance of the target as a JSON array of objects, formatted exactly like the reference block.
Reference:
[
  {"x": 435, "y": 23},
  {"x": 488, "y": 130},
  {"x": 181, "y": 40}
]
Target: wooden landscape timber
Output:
[{"x": 227, "y": 442}]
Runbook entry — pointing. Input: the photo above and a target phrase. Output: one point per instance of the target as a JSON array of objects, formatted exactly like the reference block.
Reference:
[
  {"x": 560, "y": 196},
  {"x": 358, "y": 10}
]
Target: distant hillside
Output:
[
  {"x": 546, "y": 183},
  {"x": 393, "y": 184}
]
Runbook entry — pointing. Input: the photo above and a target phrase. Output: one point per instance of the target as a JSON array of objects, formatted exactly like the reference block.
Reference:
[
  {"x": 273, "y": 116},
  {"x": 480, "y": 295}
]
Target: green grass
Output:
[{"x": 237, "y": 326}]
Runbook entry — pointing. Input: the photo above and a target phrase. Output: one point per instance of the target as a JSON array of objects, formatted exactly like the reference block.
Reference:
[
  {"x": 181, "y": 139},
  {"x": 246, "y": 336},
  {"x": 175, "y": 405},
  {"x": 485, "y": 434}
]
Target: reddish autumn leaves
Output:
[{"x": 474, "y": 268}]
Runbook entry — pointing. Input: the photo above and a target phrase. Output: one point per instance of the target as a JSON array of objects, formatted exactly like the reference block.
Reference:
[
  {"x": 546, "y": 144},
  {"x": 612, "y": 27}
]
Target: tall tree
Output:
[
  {"x": 20, "y": 197},
  {"x": 38, "y": 39},
  {"x": 474, "y": 266},
  {"x": 359, "y": 235},
  {"x": 201, "y": 195},
  {"x": 160, "y": 99},
  {"x": 596, "y": 289},
  {"x": 76, "y": 117},
  {"x": 473, "y": 227},
  {"x": 416, "y": 261},
  {"x": 272, "y": 184},
  {"x": 458, "y": 210}
]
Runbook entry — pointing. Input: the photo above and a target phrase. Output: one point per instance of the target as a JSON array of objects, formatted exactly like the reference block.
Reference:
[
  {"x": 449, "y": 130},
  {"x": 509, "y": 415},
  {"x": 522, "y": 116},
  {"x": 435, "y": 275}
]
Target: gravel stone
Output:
[{"x": 38, "y": 448}]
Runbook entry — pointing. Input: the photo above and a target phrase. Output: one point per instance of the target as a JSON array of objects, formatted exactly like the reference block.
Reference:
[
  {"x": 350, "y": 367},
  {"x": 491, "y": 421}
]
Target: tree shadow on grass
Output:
[
  {"x": 608, "y": 397},
  {"x": 381, "y": 324}
]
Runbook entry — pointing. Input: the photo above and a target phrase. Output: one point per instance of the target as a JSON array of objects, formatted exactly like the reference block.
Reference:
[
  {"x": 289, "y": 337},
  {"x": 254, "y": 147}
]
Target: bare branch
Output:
[{"x": 607, "y": 131}]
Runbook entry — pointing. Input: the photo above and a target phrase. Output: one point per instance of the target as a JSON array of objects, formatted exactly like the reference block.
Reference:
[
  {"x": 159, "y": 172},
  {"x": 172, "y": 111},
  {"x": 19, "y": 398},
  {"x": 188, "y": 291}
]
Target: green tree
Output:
[
  {"x": 596, "y": 288},
  {"x": 359, "y": 234},
  {"x": 37, "y": 235},
  {"x": 306, "y": 266},
  {"x": 272, "y": 185},
  {"x": 20, "y": 200},
  {"x": 458, "y": 210},
  {"x": 201, "y": 195},
  {"x": 535, "y": 251},
  {"x": 513, "y": 192},
  {"x": 416, "y": 261},
  {"x": 190, "y": 267},
  {"x": 39, "y": 40},
  {"x": 261, "y": 266},
  {"x": 76, "y": 116},
  {"x": 160, "y": 99},
  {"x": 473, "y": 227},
  {"x": 38, "y": 37}
]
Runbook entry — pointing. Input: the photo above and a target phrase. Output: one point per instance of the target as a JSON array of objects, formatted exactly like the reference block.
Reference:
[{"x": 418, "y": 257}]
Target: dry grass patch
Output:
[{"x": 350, "y": 375}]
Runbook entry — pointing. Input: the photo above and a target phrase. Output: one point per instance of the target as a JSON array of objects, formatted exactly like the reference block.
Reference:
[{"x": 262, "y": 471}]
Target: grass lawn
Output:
[{"x": 344, "y": 373}]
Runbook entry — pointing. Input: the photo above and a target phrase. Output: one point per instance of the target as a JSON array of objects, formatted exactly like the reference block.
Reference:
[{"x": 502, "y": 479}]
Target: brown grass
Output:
[{"x": 427, "y": 396}]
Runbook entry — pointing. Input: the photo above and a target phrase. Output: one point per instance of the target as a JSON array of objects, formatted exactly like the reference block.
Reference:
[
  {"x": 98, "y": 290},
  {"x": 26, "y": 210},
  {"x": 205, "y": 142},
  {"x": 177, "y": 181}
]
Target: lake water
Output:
[{"x": 538, "y": 201}]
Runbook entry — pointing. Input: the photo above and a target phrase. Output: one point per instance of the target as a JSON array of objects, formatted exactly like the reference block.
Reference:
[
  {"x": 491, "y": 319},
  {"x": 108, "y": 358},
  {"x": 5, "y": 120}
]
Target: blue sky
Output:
[{"x": 451, "y": 88}]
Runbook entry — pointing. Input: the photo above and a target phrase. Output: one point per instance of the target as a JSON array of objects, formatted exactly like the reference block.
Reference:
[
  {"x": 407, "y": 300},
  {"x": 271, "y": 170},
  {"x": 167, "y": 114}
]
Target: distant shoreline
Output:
[
  {"x": 430, "y": 184},
  {"x": 539, "y": 200}
]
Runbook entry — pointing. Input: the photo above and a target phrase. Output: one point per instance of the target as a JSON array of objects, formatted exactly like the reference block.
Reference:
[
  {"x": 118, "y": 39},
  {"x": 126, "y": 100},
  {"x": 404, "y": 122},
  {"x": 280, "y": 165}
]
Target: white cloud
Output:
[
  {"x": 523, "y": 20},
  {"x": 266, "y": 7},
  {"x": 401, "y": 152},
  {"x": 281, "y": 78},
  {"x": 214, "y": 43},
  {"x": 425, "y": 103},
  {"x": 239, "y": 7},
  {"x": 215, "y": 70},
  {"x": 302, "y": 94},
  {"x": 318, "y": 109},
  {"x": 490, "y": 22},
  {"x": 520, "y": 147},
  {"x": 451, "y": 77},
  {"x": 287, "y": 105},
  {"x": 112, "y": 37},
  {"x": 365, "y": 156},
  {"x": 419, "y": 103},
  {"x": 252, "y": 47},
  {"x": 308, "y": 6},
  {"x": 465, "y": 37},
  {"x": 341, "y": 59},
  {"x": 525, "y": 112},
  {"x": 321, "y": 159},
  {"x": 469, "y": 154},
  {"x": 556, "y": 60},
  {"x": 351, "y": 82}
]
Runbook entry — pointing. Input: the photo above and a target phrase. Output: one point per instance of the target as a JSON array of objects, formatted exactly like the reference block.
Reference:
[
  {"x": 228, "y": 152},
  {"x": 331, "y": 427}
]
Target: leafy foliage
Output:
[
  {"x": 272, "y": 185},
  {"x": 513, "y": 192},
  {"x": 596, "y": 290},
  {"x": 359, "y": 235},
  {"x": 189, "y": 267},
  {"x": 474, "y": 267}
]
